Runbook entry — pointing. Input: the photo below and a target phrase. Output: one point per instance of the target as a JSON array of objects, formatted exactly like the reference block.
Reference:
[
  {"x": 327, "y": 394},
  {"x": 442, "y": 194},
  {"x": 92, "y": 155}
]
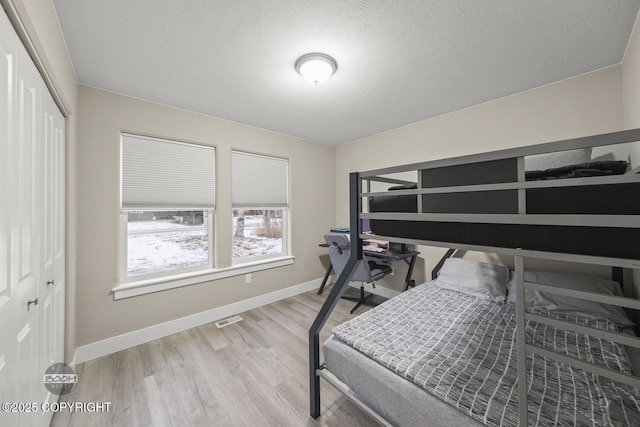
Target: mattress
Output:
[
  {"x": 461, "y": 350},
  {"x": 399, "y": 401}
]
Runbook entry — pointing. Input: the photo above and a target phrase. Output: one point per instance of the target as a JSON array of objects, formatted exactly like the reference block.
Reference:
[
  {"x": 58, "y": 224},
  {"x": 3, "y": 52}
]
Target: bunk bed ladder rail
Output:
[{"x": 336, "y": 292}]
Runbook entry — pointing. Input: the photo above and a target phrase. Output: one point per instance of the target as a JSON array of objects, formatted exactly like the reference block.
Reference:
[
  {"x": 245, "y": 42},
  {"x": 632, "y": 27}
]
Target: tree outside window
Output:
[{"x": 257, "y": 232}]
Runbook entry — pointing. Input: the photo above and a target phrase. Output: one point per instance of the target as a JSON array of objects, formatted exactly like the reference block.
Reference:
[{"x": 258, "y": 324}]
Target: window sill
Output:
[{"x": 142, "y": 287}]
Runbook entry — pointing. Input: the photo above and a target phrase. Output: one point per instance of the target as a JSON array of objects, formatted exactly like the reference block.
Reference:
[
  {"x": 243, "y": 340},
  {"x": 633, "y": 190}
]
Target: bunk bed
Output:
[{"x": 547, "y": 201}]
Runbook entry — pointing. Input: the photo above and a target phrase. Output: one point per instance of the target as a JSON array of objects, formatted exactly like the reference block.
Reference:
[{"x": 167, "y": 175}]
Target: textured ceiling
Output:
[{"x": 399, "y": 61}]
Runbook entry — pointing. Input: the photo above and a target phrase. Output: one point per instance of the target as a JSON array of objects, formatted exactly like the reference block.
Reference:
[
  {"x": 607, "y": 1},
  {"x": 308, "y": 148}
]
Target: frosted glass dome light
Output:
[{"x": 316, "y": 68}]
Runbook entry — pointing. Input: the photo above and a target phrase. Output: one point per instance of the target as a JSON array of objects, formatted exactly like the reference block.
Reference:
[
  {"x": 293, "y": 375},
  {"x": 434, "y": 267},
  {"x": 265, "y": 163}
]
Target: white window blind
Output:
[
  {"x": 259, "y": 181},
  {"x": 161, "y": 174}
]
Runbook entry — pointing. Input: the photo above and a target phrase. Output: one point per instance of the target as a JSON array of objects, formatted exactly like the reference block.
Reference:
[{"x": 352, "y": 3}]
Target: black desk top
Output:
[{"x": 385, "y": 253}]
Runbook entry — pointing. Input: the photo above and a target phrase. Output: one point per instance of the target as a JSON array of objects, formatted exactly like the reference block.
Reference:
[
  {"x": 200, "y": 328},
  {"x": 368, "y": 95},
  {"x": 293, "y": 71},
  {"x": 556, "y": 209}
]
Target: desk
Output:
[{"x": 386, "y": 256}]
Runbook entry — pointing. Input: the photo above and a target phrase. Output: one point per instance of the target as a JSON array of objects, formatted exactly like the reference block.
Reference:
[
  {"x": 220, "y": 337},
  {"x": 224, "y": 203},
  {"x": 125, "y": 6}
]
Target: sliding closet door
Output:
[
  {"x": 7, "y": 335},
  {"x": 32, "y": 275},
  {"x": 25, "y": 267},
  {"x": 51, "y": 292}
]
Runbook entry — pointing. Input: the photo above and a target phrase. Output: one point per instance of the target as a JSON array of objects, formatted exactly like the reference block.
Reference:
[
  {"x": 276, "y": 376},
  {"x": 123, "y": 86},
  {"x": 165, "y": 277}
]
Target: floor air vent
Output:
[{"x": 224, "y": 322}]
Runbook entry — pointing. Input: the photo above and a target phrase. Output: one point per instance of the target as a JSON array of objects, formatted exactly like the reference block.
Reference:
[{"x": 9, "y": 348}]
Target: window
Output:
[
  {"x": 159, "y": 241},
  {"x": 260, "y": 199},
  {"x": 168, "y": 196}
]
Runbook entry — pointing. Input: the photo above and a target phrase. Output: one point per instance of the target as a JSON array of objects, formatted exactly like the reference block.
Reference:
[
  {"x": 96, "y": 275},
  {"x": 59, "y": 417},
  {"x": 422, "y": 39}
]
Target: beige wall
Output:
[
  {"x": 102, "y": 116},
  {"x": 584, "y": 105},
  {"x": 37, "y": 25},
  {"x": 631, "y": 80},
  {"x": 631, "y": 96}
]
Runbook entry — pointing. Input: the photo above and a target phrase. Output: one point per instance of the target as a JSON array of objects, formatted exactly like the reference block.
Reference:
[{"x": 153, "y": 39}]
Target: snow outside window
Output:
[
  {"x": 161, "y": 241},
  {"x": 260, "y": 199},
  {"x": 168, "y": 195}
]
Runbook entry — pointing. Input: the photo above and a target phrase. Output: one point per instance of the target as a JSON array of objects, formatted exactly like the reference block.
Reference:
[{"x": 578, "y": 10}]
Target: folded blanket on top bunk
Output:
[
  {"x": 461, "y": 348},
  {"x": 582, "y": 170}
]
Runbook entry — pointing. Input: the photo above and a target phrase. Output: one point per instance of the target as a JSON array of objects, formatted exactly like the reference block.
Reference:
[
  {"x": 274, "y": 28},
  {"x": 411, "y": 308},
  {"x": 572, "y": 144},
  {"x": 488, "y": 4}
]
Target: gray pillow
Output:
[
  {"x": 567, "y": 305},
  {"x": 482, "y": 280}
]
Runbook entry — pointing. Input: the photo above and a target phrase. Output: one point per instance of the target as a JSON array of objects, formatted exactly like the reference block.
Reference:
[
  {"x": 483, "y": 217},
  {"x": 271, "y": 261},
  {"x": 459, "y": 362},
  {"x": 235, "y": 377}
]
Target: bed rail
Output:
[
  {"x": 334, "y": 296},
  {"x": 618, "y": 224},
  {"x": 504, "y": 199}
]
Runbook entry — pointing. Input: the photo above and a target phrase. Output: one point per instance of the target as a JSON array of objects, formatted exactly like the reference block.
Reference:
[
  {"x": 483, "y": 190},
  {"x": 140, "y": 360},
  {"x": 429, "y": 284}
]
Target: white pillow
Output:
[
  {"x": 540, "y": 162},
  {"x": 482, "y": 280},
  {"x": 568, "y": 305}
]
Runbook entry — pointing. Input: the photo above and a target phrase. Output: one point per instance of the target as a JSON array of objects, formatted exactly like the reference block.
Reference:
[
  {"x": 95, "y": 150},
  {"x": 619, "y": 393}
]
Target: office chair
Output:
[{"x": 366, "y": 271}]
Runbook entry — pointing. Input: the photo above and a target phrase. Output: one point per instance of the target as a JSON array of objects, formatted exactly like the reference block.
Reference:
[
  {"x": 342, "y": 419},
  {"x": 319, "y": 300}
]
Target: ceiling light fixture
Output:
[{"x": 316, "y": 68}]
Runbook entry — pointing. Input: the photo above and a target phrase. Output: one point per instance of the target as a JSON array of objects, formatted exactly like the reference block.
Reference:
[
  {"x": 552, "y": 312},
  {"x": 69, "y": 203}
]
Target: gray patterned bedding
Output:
[{"x": 462, "y": 350}]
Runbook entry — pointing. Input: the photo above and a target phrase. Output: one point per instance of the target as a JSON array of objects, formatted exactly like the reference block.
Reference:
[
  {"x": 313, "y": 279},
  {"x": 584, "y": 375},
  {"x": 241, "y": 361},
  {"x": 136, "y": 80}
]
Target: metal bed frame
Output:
[{"x": 357, "y": 182}]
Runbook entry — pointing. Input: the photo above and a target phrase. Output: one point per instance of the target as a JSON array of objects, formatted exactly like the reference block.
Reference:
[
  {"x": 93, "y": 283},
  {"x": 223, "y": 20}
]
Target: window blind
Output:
[
  {"x": 259, "y": 181},
  {"x": 161, "y": 174}
]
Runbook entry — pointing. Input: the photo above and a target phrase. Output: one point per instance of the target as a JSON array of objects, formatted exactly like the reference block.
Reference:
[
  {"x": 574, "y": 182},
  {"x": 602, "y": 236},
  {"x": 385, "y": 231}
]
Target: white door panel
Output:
[
  {"x": 51, "y": 292},
  {"x": 7, "y": 74},
  {"x": 26, "y": 183},
  {"x": 4, "y": 391},
  {"x": 26, "y": 231},
  {"x": 27, "y": 381},
  {"x": 46, "y": 263},
  {"x": 32, "y": 239},
  {"x": 7, "y": 107}
]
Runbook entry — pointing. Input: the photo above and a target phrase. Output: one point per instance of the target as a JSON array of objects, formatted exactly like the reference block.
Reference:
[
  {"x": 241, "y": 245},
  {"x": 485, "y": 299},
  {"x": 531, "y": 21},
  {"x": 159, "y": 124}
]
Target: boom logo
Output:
[{"x": 60, "y": 378}]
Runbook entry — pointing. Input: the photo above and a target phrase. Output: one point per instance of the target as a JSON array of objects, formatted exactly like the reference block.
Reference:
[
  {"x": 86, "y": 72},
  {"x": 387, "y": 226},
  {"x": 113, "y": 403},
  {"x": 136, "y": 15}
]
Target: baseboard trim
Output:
[{"x": 97, "y": 349}]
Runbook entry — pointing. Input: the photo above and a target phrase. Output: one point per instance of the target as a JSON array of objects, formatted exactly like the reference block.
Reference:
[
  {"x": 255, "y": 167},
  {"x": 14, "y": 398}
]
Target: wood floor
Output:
[{"x": 251, "y": 373}]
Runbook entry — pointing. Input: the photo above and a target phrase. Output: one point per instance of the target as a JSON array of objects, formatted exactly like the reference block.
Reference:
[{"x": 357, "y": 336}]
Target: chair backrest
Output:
[{"x": 339, "y": 254}]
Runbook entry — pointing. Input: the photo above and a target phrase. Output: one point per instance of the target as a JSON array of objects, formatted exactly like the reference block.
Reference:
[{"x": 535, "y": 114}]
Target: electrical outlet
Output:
[{"x": 247, "y": 278}]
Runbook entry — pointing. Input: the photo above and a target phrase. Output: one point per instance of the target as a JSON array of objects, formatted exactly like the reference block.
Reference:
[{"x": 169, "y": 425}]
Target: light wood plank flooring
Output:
[{"x": 251, "y": 373}]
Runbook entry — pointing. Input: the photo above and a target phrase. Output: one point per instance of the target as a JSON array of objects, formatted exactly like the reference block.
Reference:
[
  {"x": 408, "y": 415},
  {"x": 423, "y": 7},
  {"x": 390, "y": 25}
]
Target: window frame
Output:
[
  {"x": 127, "y": 287},
  {"x": 123, "y": 253},
  {"x": 286, "y": 222}
]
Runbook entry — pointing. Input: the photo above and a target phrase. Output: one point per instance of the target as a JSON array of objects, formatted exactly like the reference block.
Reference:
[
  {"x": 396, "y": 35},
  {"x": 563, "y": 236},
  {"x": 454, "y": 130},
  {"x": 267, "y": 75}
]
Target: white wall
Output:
[{"x": 584, "y": 105}]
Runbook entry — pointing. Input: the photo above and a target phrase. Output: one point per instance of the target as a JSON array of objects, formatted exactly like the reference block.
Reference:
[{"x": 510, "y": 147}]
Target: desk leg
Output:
[
  {"x": 408, "y": 281},
  {"x": 326, "y": 277}
]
